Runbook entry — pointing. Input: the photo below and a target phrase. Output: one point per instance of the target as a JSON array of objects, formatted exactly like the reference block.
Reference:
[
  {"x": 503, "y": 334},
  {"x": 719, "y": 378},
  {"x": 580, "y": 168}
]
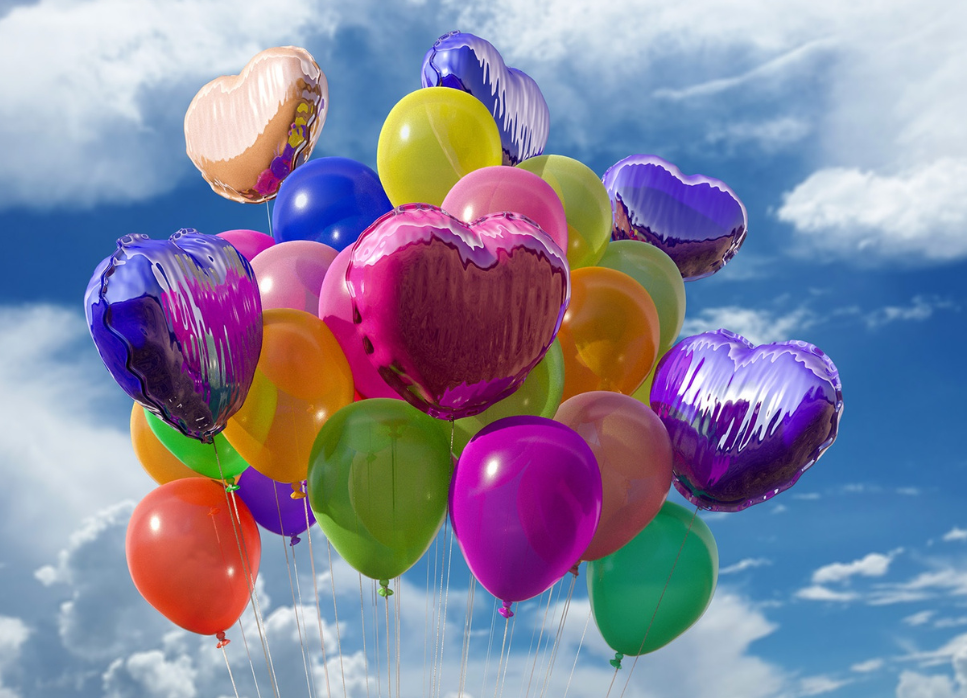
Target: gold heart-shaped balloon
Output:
[{"x": 247, "y": 132}]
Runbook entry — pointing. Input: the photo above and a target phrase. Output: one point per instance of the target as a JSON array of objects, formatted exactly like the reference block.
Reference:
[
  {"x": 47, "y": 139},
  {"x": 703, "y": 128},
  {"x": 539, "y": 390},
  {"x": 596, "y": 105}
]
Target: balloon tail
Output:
[
  {"x": 384, "y": 591},
  {"x": 574, "y": 569},
  {"x": 222, "y": 640},
  {"x": 616, "y": 662},
  {"x": 298, "y": 490},
  {"x": 294, "y": 540},
  {"x": 230, "y": 484},
  {"x": 505, "y": 610}
]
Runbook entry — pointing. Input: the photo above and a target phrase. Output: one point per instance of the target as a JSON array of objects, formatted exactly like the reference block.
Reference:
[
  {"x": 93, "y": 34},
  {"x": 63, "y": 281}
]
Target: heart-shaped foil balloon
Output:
[
  {"x": 178, "y": 323},
  {"x": 454, "y": 315},
  {"x": 247, "y": 132},
  {"x": 697, "y": 221},
  {"x": 745, "y": 422},
  {"x": 469, "y": 63}
]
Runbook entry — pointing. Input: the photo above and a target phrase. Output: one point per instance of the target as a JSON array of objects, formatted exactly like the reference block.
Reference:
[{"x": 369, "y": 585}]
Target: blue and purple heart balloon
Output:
[
  {"x": 745, "y": 422},
  {"x": 697, "y": 221},
  {"x": 469, "y": 63},
  {"x": 178, "y": 323}
]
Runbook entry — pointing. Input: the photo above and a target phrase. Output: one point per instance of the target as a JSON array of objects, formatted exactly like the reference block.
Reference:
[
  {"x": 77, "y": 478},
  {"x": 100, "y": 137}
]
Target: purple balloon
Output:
[
  {"x": 745, "y": 422},
  {"x": 525, "y": 500},
  {"x": 697, "y": 221},
  {"x": 178, "y": 323},
  {"x": 455, "y": 315},
  {"x": 272, "y": 505}
]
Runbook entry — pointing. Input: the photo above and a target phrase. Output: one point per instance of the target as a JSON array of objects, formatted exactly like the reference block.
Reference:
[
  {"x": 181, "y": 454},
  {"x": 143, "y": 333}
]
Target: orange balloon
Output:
[
  {"x": 160, "y": 463},
  {"x": 609, "y": 334},
  {"x": 303, "y": 378}
]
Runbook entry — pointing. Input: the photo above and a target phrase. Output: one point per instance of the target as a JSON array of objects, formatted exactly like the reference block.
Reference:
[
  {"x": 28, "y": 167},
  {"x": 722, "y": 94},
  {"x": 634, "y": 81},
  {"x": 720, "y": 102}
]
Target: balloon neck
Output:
[
  {"x": 222, "y": 640},
  {"x": 384, "y": 589},
  {"x": 505, "y": 610},
  {"x": 230, "y": 484},
  {"x": 297, "y": 491},
  {"x": 616, "y": 662},
  {"x": 293, "y": 540},
  {"x": 574, "y": 568}
]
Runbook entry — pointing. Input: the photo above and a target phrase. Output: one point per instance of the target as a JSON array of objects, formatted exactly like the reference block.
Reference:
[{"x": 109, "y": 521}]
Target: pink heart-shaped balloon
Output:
[{"x": 455, "y": 315}]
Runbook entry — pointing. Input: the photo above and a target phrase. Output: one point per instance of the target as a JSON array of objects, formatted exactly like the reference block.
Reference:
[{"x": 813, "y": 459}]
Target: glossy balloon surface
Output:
[
  {"x": 249, "y": 243},
  {"x": 158, "y": 462},
  {"x": 217, "y": 460},
  {"x": 290, "y": 274},
  {"x": 272, "y": 505}
]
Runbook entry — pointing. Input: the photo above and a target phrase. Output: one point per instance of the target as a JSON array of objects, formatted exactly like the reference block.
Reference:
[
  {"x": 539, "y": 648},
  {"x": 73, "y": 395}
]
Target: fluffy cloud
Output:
[
  {"x": 757, "y": 325},
  {"x": 746, "y": 564},
  {"x": 955, "y": 534},
  {"x": 872, "y": 565},
  {"x": 13, "y": 634}
]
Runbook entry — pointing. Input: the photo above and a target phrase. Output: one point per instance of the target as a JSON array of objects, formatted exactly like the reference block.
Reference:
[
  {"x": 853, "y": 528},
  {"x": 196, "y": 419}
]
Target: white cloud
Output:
[
  {"x": 757, "y": 325},
  {"x": 746, "y": 564},
  {"x": 821, "y": 593},
  {"x": 955, "y": 534},
  {"x": 872, "y": 565},
  {"x": 870, "y": 665},
  {"x": 13, "y": 634},
  {"x": 921, "y": 618},
  {"x": 913, "y": 684},
  {"x": 150, "y": 674},
  {"x": 920, "y": 309},
  {"x": 818, "y": 685}
]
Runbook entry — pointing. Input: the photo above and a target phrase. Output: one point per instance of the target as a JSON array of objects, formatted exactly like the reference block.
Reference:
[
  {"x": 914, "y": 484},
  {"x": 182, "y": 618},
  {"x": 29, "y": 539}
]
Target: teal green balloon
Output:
[
  {"x": 625, "y": 587},
  {"x": 196, "y": 455},
  {"x": 379, "y": 474}
]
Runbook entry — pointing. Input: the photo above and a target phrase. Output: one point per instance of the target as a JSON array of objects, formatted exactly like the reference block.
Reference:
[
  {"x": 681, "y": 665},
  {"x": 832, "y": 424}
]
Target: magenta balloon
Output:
[
  {"x": 290, "y": 274},
  {"x": 524, "y": 501},
  {"x": 498, "y": 189},
  {"x": 249, "y": 243}
]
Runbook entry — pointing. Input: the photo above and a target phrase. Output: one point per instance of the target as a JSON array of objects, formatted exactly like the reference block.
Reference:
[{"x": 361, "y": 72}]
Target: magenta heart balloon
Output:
[
  {"x": 745, "y": 422},
  {"x": 454, "y": 315}
]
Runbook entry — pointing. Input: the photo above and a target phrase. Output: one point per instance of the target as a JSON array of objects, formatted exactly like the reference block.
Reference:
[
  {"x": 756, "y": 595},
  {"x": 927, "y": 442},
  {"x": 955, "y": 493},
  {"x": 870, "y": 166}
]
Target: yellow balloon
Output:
[{"x": 432, "y": 138}]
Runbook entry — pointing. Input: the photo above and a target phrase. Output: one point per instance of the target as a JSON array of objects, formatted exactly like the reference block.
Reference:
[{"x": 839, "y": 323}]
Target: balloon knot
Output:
[
  {"x": 222, "y": 640},
  {"x": 574, "y": 569},
  {"x": 505, "y": 610},
  {"x": 297, "y": 491},
  {"x": 616, "y": 662},
  {"x": 293, "y": 540},
  {"x": 230, "y": 485},
  {"x": 214, "y": 511},
  {"x": 384, "y": 589}
]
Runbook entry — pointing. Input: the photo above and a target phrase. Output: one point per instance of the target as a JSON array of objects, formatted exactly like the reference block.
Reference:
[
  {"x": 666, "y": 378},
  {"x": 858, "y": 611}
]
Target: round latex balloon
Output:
[
  {"x": 610, "y": 333},
  {"x": 246, "y": 133},
  {"x": 303, "y": 379},
  {"x": 432, "y": 138},
  {"x": 697, "y": 220},
  {"x": 249, "y": 243},
  {"x": 328, "y": 200},
  {"x": 178, "y": 323},
  {"x": 525, "y": 501},
  {"x": 378, "y": 480},
  {"x": 217, "y": 460},
  {"x": 272, "y": 505},
  {"x": 499, "y": 189},
  {"x": 586, "y": 205},
  {"x": 454, "y": 316},
  {"x": 745, "y": 422},
  {"x": 189, "y": 558},
  {"x": 648, "y": 593},
  {"x": 634, "y": 455},
  {"x": 469, "y": 63},
  {"x": 290, "y": 274},
  {"x": 160, "y": 463}
]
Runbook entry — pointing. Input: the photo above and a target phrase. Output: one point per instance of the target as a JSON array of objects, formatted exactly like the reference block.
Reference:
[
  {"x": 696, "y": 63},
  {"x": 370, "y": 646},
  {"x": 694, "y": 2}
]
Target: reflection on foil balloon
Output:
[
  {"x": 745, "y": 422},
  {"x": 469, "y": 63},
  {"x": 178, "y": 323},
  {"x": 698, "y": 221},
  {"x": 452, "y": 315},
  {"x": 247, "y": 132}
]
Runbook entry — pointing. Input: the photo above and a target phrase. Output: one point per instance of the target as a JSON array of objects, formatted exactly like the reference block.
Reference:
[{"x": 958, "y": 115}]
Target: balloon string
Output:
[
  {"x": 335, "y": 612},
  {"x": 465, "y": 651},
  {"x": 578, "y": 654},
  {"x": 441, "y": 613},
  {"x": 312, "y": 565},
  {"x": 510, "y": 643},
  {"x": 533, "y": 635},
  {"x": 503, "y": 646},
  {"x": 389, "y": 663},
  {"x": 560, "y": 633},
  {"x": 440, "y": 548},
  {"x": 446, "y": 598},
  {"x": 229, "y": 667},
  {"x": 362, "y": 617},
  {"x": 490, "y": 645},
  {"x": 248, "y": 653},
  {"x": 538, "y": 654},
  {"x": 426, "y": 618},
  {"x": 399, "y": 603},
  {"x": 268, "y": 214},
  {"x": 376, "y": 647}
]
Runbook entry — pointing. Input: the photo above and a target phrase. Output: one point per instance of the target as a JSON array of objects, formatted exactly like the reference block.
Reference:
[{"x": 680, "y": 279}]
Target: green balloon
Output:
[
  {"x": 539, "y": 396},
  {"x": 198, "y": 456},
  {"x": 379, "y": 474},
  {"x": 625, "y": 587}
]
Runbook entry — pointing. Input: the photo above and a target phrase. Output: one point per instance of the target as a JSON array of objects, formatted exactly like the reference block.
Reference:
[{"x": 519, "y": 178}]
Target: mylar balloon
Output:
[
  {"x": 158, "y": 462},
  {"x": 189, "y": 558},
  {"x": 217, "y": 460},
  {"x": 469, "y": 63},
  {"x": 249, "y": 243},
  {"x": 745, "y": 422},
  {"x": 454, "y": 316},
  {"x": 178, "y": 323},
  {"x": 247, "y": 132},
  {"x": 272, "y": 505},
  {"x": 647, "y": 594},
  {"x": 378, "y": 480},
  {"x": 290, "y": 274},
  {"x": 697, "y": 220}
]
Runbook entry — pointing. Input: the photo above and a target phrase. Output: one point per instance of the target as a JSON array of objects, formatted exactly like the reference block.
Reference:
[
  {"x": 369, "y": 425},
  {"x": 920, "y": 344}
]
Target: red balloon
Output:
[{"x": 185, "y": 558}]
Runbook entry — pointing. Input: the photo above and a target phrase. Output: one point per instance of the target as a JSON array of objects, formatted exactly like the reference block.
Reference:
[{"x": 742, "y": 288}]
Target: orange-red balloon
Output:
[{"x": 160, "y": 463}]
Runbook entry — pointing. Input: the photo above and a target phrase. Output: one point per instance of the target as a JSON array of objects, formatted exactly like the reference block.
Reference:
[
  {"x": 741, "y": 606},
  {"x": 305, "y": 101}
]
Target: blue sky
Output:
[{"x": 842, "y": 131}]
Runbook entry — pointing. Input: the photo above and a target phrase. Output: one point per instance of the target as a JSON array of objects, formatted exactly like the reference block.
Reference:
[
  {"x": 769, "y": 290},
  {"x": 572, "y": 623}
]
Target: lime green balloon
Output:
[
  {"x": 379, "y": 474},
  {"x": 539, "y": 396},
  {"x": 587, "y": 206},
  {"x": 625, "y": 587},
  {"x": 196, "y": 455},
  {"x": 432, "y": 138}
]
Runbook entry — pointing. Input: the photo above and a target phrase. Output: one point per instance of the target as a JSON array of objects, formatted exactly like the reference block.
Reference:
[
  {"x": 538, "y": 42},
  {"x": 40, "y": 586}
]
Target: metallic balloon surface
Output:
[
  {"x": 452, "y": 315},
  {"x": 247, "y": 132},
  {"x": 469, "y": 63},
  {"x": 698, "y": 221},
  {"x": 745, "y": 422},
  {"x": 178, "y": 323}
]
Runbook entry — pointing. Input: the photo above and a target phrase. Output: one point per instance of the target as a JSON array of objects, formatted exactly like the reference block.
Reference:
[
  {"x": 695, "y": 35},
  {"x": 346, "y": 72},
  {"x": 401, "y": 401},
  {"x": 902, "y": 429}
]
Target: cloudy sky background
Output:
[{"x": 842, "y": 130}]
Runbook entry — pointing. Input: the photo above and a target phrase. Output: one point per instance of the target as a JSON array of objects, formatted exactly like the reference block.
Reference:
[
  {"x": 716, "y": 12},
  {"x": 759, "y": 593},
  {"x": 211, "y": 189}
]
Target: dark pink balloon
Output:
[
  {"x": 249, "y": 243},
  {"x": 290, "y": 274}
]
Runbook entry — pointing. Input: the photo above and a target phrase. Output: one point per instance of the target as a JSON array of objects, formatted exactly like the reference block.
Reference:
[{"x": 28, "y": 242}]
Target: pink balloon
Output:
[
  {"x": 634, "y": 453},
  {"x": 499, "y": 189},
  {"x": 290, "y": 274},
  {"x": 249, "y": 243}
]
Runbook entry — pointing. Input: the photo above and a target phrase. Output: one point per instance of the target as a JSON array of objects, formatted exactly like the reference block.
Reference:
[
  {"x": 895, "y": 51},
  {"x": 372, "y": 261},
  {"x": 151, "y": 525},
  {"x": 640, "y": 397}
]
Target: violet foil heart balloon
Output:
[
  {"x": 454, "y": 315},
  {"x": 697, "y": 221},
  {"x": 469, "y": 63},
  {"x": 745, "y": 422},
  {"x": 178, "y": 323}
]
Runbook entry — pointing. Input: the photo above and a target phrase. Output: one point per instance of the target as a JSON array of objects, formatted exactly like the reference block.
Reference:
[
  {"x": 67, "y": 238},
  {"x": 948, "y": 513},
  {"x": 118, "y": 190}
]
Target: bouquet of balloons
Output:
[{"x": 477, "y": 330}]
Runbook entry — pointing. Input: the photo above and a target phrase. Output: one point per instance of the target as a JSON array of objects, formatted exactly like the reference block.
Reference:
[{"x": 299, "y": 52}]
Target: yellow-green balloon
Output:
[
  {"x": 432, "y": 138},
  {"x": 198, "y": 456},
  {"x": 586, "y": 205}
]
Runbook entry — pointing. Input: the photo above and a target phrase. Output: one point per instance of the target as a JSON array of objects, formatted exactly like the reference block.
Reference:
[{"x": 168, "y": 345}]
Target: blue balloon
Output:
[{"x": 328, "y": 200}]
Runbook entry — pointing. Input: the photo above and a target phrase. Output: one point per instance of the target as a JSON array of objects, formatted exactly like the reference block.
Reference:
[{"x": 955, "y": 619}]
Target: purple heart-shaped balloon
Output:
[
  {"x": 697, "y": 221},
  {"x": 178, "y": 323},
  {"x": 469, "y": 63},
  {"x": 745, "y": 422},
  {"x": 454, "y": 315}
]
